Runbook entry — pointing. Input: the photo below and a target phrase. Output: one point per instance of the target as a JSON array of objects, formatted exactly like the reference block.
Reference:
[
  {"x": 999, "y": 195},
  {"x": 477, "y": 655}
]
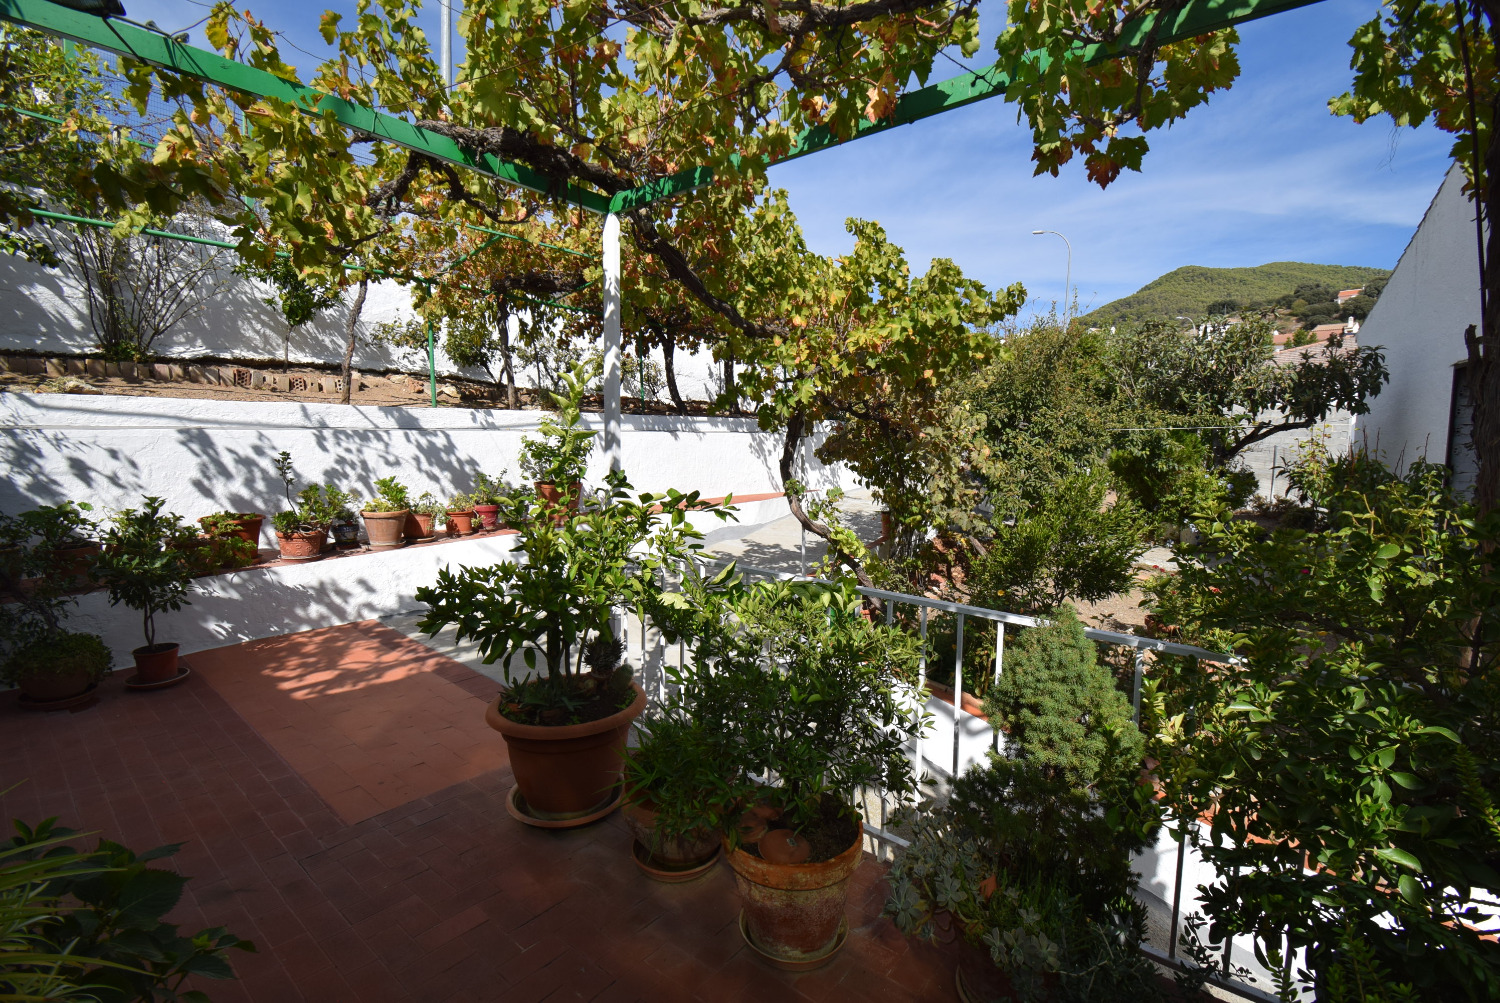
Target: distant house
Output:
[
  {"x": 1345, "y": 295},
  {"x": 1420, "y": 318},
  {"x": 1322, "y": 333}
]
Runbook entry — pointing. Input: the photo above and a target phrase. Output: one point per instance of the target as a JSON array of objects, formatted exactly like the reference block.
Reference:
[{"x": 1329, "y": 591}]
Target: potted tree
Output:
[
  {"x": 302, "y": 532},
  {"x": 460, "y": 514},
  {"x": 422, "y": 518},
  {"x": 556, "y": 461},
  {"x": 385, "y": 515},
  {"x": 1028, "y": 860},
  {"x": 792, "y": 683},
  {"x": 565, "y": 724},
  {"x": 142, "y": 569}
]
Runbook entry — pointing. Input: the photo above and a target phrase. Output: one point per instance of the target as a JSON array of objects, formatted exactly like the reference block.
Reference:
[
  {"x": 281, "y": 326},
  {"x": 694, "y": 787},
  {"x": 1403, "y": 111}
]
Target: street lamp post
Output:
[{"x": 1068, "y": 281}]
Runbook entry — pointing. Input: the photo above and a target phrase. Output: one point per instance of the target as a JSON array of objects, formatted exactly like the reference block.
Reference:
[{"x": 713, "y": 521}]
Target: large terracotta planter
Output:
[
  {"x": 461, "y": 523},
  {"x": 302, "y": 547},
  {"x": 794, "y": 913},
  {"x": 417, "y": 526},
  {"x": 155, "y": 664},
  {"x": 570, "y": 770},
  {"x": 53, "y": 687},
  {"x": 385, "y": 529},
  {"x": 489, "y": 515}
]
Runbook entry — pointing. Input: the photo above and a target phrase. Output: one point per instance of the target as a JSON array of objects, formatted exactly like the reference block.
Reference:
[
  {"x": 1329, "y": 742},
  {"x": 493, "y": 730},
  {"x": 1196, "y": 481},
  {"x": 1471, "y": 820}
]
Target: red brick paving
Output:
[
  {"x": 369, "y": 717},
  {"x": 445, "y": 898}
]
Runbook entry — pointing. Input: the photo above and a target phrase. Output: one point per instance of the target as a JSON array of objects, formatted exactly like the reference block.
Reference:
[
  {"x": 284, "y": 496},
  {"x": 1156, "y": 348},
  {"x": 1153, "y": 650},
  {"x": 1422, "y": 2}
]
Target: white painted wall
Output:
[
  {"x": 1433, "y": 295},
  {"x": 204, "y": 456},
  {"x": 45, "y": 310}
]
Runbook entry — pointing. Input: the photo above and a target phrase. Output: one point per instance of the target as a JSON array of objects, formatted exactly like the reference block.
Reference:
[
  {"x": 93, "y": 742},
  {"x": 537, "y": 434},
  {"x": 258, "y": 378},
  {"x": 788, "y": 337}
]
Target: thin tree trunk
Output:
[
  {"x": 796, "y": 427},
  {"x": 729, "y": 389},
  {"x": 507, "y": 365},
  {"x": 351, "y": 332},
  {"x": 669, "y": 367}
]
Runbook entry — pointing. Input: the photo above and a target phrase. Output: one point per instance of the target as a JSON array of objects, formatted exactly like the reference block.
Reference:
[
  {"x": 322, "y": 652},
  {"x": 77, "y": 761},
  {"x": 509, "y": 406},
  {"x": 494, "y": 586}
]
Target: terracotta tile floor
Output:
[{"x": 441, "y": 898}]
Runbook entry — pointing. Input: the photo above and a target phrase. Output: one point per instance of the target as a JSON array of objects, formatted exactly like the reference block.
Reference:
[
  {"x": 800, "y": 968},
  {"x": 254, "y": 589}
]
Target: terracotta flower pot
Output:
[
  {"x": 489, "y": 515},
  {"x": 156, "y": 663},
  {"x": 246, "y": 526},
  {"x": 461, "y": 523},
  {"x": 417, "y": 526},
  {"x": 553, "y": 496},
  {"x": 568, "y": 770},
  {"x": 794, "y": 912},
  {"x": 301, "y": 546},
  {"x": 47, "y": 688},
  {"x": 668, "y": 854},
  {"x": 972, "y": 705},
  {"x": 385, "y": 529}
]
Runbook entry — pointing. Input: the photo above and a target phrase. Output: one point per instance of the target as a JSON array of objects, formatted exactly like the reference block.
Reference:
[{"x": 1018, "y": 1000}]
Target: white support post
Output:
[
  {"x": 445, "y": 47},
  {"x": 612, "y": 340}
]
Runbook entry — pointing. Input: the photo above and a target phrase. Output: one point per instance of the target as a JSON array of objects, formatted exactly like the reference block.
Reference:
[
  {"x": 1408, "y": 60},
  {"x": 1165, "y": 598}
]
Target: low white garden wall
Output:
[{"x": 206, "y": 456}]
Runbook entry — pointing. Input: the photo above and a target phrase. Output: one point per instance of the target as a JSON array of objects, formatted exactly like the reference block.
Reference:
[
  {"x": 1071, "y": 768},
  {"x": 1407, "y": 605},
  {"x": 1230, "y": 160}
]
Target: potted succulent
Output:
[
  {"x": 241, "y": 525},
  {"x": 302, "y": 529},
  {"x": 556, "y": 461},
  {"x": 385, "y": 515},
  {"x": 486, "y": 497},
  {"x": 1029, "y": 858},
  {"x": 142, "y": 568},
  {"x": 794, "y": 684},
  {"x": 422, "y": 518},
  {"x": 460, "y": 514},
  {"x": 67, "y": 538},
  {"x": 565, "y": 725}
]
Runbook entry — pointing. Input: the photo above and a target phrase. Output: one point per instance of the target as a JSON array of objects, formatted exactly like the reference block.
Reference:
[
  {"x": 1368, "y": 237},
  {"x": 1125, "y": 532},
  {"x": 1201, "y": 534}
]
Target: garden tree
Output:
[
  {"x": 1416, "y": 61},
  {"x": 298, "y": 298},
  {"x": 1350, "y": 762}
]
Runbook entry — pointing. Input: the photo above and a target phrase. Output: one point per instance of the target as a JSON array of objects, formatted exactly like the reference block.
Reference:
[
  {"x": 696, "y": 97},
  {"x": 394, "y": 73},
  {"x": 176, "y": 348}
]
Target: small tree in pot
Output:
[
  {"x": 143, "y": 567},
  {"x": 556, "y": 461},
  {"x": 797, "y": 686},
  {"x": 302, "y": 530},
  {"x": 566, "y": 727}
]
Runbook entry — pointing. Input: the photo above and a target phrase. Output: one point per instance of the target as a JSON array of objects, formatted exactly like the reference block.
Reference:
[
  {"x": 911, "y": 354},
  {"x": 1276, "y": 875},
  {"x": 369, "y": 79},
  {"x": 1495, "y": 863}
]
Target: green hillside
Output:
[{"x": 1187, "y": 291}]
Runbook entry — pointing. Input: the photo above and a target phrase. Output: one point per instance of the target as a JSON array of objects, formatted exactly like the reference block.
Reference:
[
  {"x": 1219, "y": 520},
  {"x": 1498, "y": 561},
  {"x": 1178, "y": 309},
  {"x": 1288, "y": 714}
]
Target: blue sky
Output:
[{"x": 1262, "y": 173}]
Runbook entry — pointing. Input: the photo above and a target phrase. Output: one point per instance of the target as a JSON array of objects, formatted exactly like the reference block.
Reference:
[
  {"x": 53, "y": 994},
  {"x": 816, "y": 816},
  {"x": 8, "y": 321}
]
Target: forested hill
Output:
[{"x": 1189, "y": 291}]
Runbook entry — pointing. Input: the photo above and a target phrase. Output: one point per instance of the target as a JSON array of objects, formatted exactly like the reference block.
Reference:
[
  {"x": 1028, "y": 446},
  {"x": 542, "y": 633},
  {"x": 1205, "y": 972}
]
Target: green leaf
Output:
[
  {"x": 1411, "y": 891},
  {"x": 1387, "y": 552},
  {"x": 1406, "y": 780},
  {"x": 1400, "y": 857}
]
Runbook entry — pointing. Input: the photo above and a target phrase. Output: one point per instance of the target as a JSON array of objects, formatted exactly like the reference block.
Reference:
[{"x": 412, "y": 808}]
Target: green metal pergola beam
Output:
[
  {"x": 1198, "y": 18},
  {"x": 159, "y": 50}
]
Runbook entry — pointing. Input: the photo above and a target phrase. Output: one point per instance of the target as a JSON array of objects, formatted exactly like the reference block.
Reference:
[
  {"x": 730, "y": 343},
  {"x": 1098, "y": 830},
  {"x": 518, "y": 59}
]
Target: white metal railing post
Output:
[
  {"x": 958, "y": 692},
  {"x": 999, "y": 659},
  {"x": 612, "y": 340}
]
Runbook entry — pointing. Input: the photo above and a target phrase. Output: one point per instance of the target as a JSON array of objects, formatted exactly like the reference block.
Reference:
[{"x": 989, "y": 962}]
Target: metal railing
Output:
[{"x": 883, "y": 837}]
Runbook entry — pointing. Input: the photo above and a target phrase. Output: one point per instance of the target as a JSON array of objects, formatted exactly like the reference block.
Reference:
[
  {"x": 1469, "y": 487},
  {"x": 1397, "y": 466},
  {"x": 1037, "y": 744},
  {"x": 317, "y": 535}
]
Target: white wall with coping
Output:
[
  {"x": 204, "y": 456},
  {"x": 1420, "y": 318},
  {"x": 46, "y": 310}
]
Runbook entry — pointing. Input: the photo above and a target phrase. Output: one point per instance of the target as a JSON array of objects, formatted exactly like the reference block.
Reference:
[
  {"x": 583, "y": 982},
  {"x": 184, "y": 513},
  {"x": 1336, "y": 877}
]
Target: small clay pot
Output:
[
  {"x": 668, "y": 856},
  {"x": 246, "y": 526},
  {"x": 385, "y": 529},
  {"x": 418, "y": 526},
  {"x": 784, "y": 846},
  {"x": 489, "y": 516},
  {"x": 156, "y": 663},
  {"x": 461, "y": 523},
  {"x": 553, "y": 496},
  {"x": 301, "y": 547}
]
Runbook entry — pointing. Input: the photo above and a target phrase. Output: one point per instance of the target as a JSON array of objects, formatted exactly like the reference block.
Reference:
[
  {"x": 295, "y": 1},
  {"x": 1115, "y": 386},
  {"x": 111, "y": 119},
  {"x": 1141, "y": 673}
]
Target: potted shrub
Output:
[
  {"x": 57, "y": 667},
  {"x": 67, "y": 538},
  {"x": 302, "y": 532},
  {"x": 460, "y": 514},
  {"x": 565, "y": 725},
  {"x": 670, "y": 779},
  {"x": 793, "y": 683},
  {"x": 142, "y": 569},
  {"x": 556, "y": 461},
  {"x": 225, "y": 541},
  {"x": 486, "y": 498},
  {"x": 51, "y": 665},
  {"x": 241, "y": 525},
  {"x": 1029, "y": 858},
  {"x": 385, "y": 515},
  {"x": 422, "y": 518}
]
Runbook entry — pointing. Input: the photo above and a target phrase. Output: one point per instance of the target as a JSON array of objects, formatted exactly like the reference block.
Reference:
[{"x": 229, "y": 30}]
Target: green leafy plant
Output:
[
  {"x": 315, "y": 508},
  {"x": 1031, "y": 852},
  {"x": 461, "y": 503},
  {"x": 390, "y": 496},
  {"x": 144, "y": 564},
  {"x": 428, "y": 505},
  {"x": 490, "y": 491},
  {"x": 576, "y": 573},
  {"x": 58, "y": 653},
  {"x": 60, "y": 526},
  {"x": 224, "y": 548},
  {"x": 559, "y": 455},
  {"x": 1348, "y": 763},
  {"x": 87, "y": 926}
]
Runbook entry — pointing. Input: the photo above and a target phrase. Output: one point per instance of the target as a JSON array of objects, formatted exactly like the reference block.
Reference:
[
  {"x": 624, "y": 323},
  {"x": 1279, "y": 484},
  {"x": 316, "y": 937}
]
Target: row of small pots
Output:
[
  {"x": 386, "y": 531},
  {"x": 794, "y": 913}
]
